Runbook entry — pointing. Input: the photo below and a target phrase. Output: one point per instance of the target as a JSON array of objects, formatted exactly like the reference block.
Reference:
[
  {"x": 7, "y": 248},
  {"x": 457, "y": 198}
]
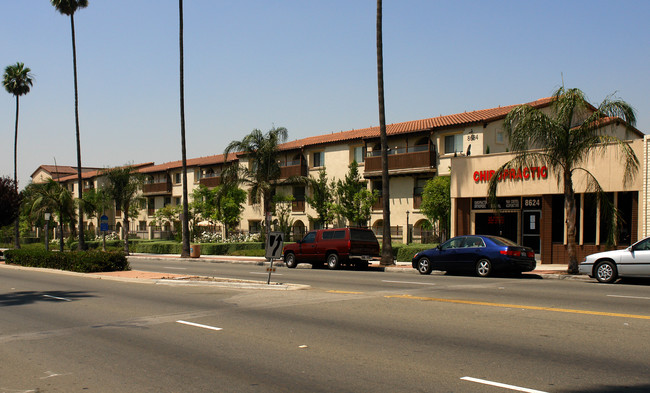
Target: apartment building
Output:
[{"x": 466, "y": 146}]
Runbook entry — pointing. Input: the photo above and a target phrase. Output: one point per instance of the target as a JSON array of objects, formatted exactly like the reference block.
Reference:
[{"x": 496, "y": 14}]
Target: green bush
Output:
[
  {"x": 82, "y": 262},
  {"x": 158, "y": 247},
  {"x": 111, "y": 245},
  {"x": 405, "y": 252}
]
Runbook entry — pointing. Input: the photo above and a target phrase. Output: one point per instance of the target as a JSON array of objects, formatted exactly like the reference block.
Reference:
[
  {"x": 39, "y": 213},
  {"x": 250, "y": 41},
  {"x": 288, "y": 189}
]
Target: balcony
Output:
[
  {"x": 157, "y": 188},
  {"x": 415, "y": 159},
  {"x": 210, "y": 181},
  {"x": 417, "y": 201},
  {"x": 379, "y": 205},
  {"x": 298, "y": 206},
  {"x": 293, "y": 168}
]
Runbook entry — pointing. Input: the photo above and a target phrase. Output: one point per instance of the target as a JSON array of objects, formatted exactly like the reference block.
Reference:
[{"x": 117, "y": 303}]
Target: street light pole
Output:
[
  {"x": 408, "y": 234},
  {"x": 47, "y": 231}
]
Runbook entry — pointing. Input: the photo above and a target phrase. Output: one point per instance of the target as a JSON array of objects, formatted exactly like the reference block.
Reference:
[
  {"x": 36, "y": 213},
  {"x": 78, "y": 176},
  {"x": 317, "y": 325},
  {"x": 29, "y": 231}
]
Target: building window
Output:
[
  {"x": 358, "y": 154},
  {"x": 177, "y": 201},
  {"x": 453, "y": 143},
  {"x": 168, "y": 201},
  {"x": 142, "y": 226},
  {"x": 319, "y": 159},
  {"x": 254, "y": 226},
  {"x": 500, "y": 138},
  {"x": 177, "y": 178},
  {"x": 589, "y": 219}
]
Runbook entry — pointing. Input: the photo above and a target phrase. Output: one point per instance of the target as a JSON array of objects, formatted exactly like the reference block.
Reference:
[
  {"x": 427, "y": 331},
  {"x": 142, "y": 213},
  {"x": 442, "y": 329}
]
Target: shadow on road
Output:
[{"x": 29, "y": 297}]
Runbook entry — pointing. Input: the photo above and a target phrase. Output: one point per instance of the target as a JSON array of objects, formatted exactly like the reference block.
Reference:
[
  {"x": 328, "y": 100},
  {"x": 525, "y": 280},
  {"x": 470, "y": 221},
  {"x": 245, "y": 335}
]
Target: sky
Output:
[{"x": 306, "y": 65}]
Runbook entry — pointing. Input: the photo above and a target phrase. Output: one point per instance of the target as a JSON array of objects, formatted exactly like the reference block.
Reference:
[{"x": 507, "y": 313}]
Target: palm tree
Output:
[
  {"x": 69, "y": 7},
  {"x": 124, "y": 184},
  {"x": 95, "y": 202},
  {"x": 564, "y": 142},
  {"x": 386, "y": 247},
  {"x": 185, "y": 250},
  {"x": 263, "y": 170},
  {"x": 50, "y": 197},
  {"x": 17, "y": 80}
]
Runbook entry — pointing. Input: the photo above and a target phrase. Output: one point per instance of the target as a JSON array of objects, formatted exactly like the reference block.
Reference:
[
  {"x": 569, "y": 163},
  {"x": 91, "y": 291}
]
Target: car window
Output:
[
  {"x": 474, "y": 242},
  {"x": 328, "y": 235},
  {"x": 338, "y": 235},
  {"x": 362, "y": 235},
  {"x": 500, "y": 241},
  {"x": 309, "y": 238},
  {"x": 642, "y": 245},
  {"x": 456, "y": 242}
]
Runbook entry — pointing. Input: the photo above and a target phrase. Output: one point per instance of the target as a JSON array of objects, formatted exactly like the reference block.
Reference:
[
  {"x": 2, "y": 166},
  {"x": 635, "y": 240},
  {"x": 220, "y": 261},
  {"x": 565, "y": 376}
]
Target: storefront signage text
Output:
[
  {"x": 502, "y": 203},
  {"x": 532, "y": 173}
]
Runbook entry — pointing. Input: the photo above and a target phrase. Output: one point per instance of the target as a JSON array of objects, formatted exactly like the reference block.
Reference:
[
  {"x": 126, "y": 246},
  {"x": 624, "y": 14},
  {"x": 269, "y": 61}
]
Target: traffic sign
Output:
[
  {"x": 274, "y": 244},
  {"x": 103, "y": 223}
]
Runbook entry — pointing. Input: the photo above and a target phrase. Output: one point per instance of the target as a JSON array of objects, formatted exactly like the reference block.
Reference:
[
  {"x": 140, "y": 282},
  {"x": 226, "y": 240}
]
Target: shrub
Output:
[
  {"x": 405, "y": 253},
  {"x": 158, "y": 247},
  {"x": 82, "y": 262}
]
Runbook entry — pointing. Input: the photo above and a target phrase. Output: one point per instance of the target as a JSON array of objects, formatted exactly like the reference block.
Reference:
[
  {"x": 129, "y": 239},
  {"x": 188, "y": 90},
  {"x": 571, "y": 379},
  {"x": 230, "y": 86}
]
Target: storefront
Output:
[{"x": 531, "y": 208}]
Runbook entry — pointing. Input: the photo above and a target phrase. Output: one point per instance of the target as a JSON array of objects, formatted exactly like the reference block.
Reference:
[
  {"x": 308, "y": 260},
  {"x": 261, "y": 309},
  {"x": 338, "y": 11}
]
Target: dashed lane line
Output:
[
  {"x": 199, "y": 325},
  {"x": 501, "y": 385}
]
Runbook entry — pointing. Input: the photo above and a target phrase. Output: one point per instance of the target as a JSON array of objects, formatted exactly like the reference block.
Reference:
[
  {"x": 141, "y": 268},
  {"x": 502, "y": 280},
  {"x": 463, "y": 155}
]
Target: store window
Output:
[
  {"x": 454, "y": 144},
  {"x": 557, "y": 219},
  {"x": 589, "y": 219}
]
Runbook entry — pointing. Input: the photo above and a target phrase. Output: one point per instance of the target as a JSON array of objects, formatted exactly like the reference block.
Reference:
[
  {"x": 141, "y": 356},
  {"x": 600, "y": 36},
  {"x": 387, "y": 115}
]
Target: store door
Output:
[{"x": 531, "y": 222}]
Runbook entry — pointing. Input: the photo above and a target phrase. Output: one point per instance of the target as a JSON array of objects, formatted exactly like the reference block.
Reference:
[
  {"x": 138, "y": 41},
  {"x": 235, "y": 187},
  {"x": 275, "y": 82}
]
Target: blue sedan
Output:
[{"x": 478, "y": 253}]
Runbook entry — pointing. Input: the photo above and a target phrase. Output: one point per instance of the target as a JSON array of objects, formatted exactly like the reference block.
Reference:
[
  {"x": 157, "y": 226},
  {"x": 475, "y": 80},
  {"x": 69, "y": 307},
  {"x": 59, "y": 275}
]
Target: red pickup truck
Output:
[{"x": 355, "y": 246}]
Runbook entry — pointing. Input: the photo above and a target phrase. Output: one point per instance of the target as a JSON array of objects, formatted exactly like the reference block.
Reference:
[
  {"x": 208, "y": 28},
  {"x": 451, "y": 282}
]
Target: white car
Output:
[{"x": 607, "y": 266}]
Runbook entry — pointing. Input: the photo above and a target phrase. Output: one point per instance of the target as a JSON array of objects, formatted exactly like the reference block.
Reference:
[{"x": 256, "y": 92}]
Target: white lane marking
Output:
[
  {"x": 630, "y": 297},
  {"x": 175, "y": 268},
  {"x": 409, "y": 282},
  {"x": 266, "y": 274},
  {"x": 199, "y": 325},
  {"x": 501, "y": 385},
  {"x": 57, "y": 298}
]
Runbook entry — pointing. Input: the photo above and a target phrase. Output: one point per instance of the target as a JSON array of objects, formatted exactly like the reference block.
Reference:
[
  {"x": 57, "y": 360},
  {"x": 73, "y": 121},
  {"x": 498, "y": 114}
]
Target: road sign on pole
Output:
[
  {"x": 103, "y": 223},
  {"x": 274, "y": 245}
]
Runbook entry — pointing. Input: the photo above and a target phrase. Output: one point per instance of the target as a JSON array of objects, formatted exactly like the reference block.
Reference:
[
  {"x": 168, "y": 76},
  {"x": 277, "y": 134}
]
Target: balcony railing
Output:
[
  {"x": 416, "y": 157},
  {"x": 157, "y": 188},
  {"x": 379, "y": 205},
  {"x": 210, "y": 181},
  {"x": 293, "y": 168}
]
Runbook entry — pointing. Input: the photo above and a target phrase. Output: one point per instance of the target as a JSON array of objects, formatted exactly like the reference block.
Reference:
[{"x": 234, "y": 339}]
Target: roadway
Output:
[{"x": 352, "y": 331}]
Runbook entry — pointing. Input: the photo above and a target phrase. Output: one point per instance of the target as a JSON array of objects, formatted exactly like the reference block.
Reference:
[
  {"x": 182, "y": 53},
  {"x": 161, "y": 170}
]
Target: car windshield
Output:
[{"x": 500, "y": 241}]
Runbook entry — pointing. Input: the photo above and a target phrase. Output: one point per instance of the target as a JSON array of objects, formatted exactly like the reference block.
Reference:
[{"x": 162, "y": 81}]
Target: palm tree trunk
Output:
[
  {"x": 386, "y": 247},
  {"x": 17, "y": 222},
  {"x": 125, "y": 228},
  {"x": 61, "y": 231},
  {"x": 185, "y": 251},
  {"x": 570, "y": 208},
  {"x": 82, "y": 241}
]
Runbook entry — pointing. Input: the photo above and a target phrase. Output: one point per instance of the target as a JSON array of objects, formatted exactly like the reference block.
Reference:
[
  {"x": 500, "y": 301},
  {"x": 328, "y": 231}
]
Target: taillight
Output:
[
  {"x": 510, "y": 253},
  {"x": 349, "y": 244},
  {"x": 530, "y": 254}
]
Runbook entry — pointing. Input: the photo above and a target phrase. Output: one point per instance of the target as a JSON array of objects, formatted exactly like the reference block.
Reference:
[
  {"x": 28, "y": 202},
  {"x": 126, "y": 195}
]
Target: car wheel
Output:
[
  {"x": 606, "y": 272},
  {"x": 290, "y": 260},
  {"x": 483, "y": 267},
  {"x": 333, "y": 261},
  {"x": 424, "y": 265}
]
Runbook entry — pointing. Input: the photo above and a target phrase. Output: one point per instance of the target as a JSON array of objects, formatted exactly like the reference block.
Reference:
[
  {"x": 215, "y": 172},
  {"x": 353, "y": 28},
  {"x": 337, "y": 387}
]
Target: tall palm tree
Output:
[
  {"x": 69, "y": 7},
  {"x": 263, "y": 170},
  {"x": 50, "y": 197},
  {"x": 564, "y": 141},
  {"x": 17, "y": 80},
  {"x": 185, "y": 250},
  {"x": 386, "y": 247},
  {"x": 124, "y": 185}
]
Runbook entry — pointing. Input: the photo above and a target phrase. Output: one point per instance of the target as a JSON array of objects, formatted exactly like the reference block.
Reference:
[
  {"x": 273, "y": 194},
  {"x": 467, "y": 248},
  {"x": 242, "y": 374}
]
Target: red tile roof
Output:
[
  {"x": 201, "y": 161},
  {"x": 97, "y": 171}
]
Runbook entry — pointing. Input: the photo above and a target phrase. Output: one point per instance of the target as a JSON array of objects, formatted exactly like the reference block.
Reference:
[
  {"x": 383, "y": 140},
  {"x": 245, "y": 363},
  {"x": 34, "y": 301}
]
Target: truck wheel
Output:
[
  {"x": 333, "y": 261},
  {"x": 290, "y": 260}
]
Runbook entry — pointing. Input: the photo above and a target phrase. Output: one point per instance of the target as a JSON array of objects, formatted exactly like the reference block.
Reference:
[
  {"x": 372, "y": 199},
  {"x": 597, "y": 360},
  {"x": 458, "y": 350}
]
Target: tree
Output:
[
  {"x": 230, "y": 205},
  {"x": 436, "y": 203},
  {"x": 69, "y": 7},
  {"x": 17, "y": 80},
  {"x": 386, "y": 246},
  {"x": 321, "y": 198},
  {"x": 123, "y": 187},
  {"x": 9, "y": 201},
  {"x": 566, "y": 139},
  {"x": 282, "y": 210},
  {"x": 185, "y": 250},
  {"x": 167, "y": 215},
  {"x": 263, "y": 170},
  {"x": 354, "y": 199},
  {"x": 95, "y": 202},
  {"x": 50, "y": 197},
  {"x": 204, "y": 203}
]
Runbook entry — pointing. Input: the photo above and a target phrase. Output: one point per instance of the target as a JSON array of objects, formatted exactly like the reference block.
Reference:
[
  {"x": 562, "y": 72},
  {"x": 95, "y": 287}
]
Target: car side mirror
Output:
[{"x": 439, "y": 247}]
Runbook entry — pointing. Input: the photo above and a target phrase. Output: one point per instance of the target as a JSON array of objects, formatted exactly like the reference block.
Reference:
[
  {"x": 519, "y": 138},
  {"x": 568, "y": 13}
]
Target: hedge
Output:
[
  {"x": 112, "y": 244},
  {"x": 172, "y": 247},
  {"x": 76, "y": 261},
  {"x": 405, "y": 252}
]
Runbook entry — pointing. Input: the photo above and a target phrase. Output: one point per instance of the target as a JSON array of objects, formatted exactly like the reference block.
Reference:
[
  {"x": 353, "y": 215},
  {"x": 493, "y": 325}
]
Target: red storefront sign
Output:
[{"x": 529, "y": 173}]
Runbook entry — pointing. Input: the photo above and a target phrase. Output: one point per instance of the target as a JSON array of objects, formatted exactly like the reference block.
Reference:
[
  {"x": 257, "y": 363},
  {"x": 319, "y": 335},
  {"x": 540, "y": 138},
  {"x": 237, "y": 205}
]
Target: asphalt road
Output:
[{"x": 353, "y": 331}]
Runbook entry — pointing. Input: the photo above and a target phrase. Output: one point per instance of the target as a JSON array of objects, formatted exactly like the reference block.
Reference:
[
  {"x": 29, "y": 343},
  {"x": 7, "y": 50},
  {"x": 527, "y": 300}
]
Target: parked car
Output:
[
  {"x": 608, "y": 266},
  {"x": 336, "y": 246},
  {"x": 478, "y": 253}
]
